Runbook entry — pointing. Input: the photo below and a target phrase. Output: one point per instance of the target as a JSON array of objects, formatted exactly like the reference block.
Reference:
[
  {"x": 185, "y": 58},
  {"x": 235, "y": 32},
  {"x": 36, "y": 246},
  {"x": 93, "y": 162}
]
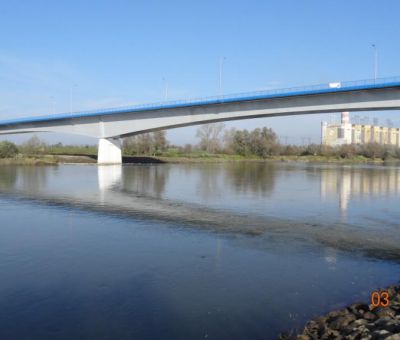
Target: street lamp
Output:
[
  {"x": 53, "y": 104},
  {"x": 70, "y": 97},
  {"x": 221, "y": 62},
  {"x": 375, "y": 61},
  {"x": 166, "y": 89}
]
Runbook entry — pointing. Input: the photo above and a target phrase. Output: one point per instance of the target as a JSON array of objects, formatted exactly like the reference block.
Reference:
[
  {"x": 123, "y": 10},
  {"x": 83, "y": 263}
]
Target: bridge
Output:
[{"x": 110, "y": 125}]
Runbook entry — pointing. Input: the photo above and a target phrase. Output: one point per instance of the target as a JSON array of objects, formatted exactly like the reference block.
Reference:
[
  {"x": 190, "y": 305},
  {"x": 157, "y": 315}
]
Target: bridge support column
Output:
[{"x": 109, "y": 151}]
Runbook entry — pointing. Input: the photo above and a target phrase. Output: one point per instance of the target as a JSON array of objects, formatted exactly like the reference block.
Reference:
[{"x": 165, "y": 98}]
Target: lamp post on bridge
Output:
[
  {"x": 221, "y": 64},
  {"x": 70, "y": 97},
  {"x": 375, "y": 61},
  {"x": 53, "y": 104},
  {"x": 166, "y": 88}
]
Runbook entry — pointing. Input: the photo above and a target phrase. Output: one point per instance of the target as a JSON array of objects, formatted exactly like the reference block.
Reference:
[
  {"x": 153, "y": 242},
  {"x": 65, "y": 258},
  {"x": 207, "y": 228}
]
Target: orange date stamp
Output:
[{"x": 380, "y": 299}]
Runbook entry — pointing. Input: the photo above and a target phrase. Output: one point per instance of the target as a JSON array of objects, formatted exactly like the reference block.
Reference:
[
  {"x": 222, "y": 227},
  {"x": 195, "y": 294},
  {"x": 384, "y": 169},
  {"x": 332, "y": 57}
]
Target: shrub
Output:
[
  {"x": 33, "y": 146},
  {"x": 188, "y": 148},
  {"x": 8, "y": 149},
  {"x": 347, "y": 151},
  {"x": 373, "y": 150},
  {"x": 312, "y": 150},
  {"x": 291, "y": 150}
]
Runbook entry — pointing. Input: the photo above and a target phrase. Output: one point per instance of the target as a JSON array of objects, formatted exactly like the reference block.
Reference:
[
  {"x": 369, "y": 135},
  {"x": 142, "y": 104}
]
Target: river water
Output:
[{"x": 191, "y": 251}]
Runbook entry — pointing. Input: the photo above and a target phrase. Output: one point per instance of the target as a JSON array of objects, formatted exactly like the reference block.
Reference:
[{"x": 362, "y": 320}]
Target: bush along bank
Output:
[
  {"x": 358, "y": 321},
  {"x": 8, "y": 149}
]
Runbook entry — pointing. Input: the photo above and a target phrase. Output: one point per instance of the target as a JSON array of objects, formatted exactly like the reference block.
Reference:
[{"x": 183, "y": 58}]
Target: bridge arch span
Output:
[{"x": 110, "y": 125}]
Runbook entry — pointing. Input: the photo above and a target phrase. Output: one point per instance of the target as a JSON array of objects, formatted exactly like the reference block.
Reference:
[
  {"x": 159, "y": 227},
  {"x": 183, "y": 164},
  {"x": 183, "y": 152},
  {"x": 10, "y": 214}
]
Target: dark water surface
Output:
[{"x": 217, "y": 251}]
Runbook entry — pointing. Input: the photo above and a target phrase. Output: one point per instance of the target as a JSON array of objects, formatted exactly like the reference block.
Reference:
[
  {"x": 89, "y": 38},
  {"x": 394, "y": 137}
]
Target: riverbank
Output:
[
  {"x": 357, "y": 321},
  {"x": 54, "y": 159},
  {"x": 47, "y": 160},
  {"x": 305, "y": 159}
]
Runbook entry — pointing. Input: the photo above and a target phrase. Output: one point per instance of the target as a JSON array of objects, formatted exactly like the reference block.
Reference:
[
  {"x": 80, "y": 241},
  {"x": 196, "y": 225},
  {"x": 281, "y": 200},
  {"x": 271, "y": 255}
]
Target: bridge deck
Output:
[{"x": 248, "y": 96}]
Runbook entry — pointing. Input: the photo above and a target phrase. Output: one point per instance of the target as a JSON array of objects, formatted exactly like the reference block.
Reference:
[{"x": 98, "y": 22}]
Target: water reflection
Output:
[
  {"x": 33, "y": 179},
  {"x": 8, "y": 177},
  {"x": 255, "y": 177},
  {"x": 210, "y": 184},
  {"x": 26, "y": 178},
  {"x": 247, "y": 198},
  {"x": 109, "y": 176},
  {"x": 362, "y": 183},
  {"x": 244, "y": 184},
  {"x": 146, "y": 179}
]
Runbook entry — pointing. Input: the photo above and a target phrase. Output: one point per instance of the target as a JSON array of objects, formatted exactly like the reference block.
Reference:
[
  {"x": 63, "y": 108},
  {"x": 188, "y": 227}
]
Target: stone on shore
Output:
[{"x": 356, "y": 322}]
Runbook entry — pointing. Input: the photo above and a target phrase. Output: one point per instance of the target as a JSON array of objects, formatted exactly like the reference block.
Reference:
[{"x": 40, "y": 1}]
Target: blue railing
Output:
[{"x": 276, "y": 93}]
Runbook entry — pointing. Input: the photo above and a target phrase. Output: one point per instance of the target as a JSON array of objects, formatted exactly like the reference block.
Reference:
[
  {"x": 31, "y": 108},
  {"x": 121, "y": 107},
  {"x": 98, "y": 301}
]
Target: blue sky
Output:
[{"x": 79, "y": 55}]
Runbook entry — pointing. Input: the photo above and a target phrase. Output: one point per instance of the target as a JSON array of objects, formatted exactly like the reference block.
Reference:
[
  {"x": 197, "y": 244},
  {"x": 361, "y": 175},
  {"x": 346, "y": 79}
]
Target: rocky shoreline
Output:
[{"x": 358, "y": 321}]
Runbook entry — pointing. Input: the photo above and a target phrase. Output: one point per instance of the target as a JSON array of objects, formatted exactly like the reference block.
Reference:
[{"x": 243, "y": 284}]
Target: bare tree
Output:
[
  {"x": 130, "y": 145},
  {"x": 209, "y": 135},
  {"x": 146, "y": 143},
  {"x": 229, "y": 141},
  {"x": 33, "y": 146},
  {"x": 159, "y": 141}
]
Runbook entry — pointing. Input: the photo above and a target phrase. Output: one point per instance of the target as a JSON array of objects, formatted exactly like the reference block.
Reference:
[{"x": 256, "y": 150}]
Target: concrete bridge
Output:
[{"x": 110, "y": 125}]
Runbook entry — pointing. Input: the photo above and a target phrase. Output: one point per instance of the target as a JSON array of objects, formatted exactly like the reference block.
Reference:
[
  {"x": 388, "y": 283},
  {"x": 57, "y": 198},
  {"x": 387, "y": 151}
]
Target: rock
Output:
[
  {"x": 393, "y": 326},
  {"x": 303, "y": 337},
  {"x": 381, "y": 322},
  {"x": 393, "y": 337},
  {"x": 310, "y": 326},
  {"x": 380, "y": 334},
  {"x": 363, "y": 330},
  {"x": 342, "y": 321},
  {"x": 358, "y": 322},
  {"x": 355, "y": 325},
  {"x": 358, "y": 308},
  {"x": 385, "y": 312},
  {"x": 370, "y": 326},
  {"x": 331, "y": 334},
  {"x": 352, "y": 336},
  {"x": 369, "y": 316},
  {"x": 395, "y": 307},
  {"x": 363, "y": 336},
  {"x": 335, "y": 314}
]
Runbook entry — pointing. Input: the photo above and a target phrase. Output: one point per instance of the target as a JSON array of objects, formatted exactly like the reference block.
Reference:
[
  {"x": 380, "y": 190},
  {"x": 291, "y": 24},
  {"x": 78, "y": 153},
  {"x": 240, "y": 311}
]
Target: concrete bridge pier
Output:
[{"x": 109, "y": 151}]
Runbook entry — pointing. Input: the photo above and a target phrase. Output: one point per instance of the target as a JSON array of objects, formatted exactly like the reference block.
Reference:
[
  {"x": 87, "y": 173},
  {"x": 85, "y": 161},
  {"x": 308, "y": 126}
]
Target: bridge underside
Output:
[{"x": 109, "y": 128}]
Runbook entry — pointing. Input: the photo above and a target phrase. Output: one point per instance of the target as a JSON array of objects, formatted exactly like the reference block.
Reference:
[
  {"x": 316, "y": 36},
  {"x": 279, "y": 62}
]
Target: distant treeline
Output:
[
  {"x": 35, "y": 146},
  {"x": 264, "y": 143},
  {"x": 214, "y": 139}
]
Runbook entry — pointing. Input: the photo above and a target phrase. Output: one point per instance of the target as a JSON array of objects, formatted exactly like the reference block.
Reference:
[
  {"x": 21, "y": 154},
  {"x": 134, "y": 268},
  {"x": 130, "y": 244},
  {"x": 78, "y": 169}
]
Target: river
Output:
[{"x": 240, "y": 250}]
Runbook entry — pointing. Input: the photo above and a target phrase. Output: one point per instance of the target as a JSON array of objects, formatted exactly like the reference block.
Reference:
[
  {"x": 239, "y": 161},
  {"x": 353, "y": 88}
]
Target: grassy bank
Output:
[
  {"x": 38, "y": 160},
  {"x": 306, "y": 159},
  {"x": 52, "y": 159}
]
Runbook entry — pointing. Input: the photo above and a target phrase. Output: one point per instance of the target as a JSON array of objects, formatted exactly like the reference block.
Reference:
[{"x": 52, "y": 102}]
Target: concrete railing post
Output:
[{"x": 109, "y": 151}]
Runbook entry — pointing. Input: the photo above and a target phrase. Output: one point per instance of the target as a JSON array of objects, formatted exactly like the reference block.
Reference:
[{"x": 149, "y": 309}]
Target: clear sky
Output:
[{"x": 57, "y": 56}]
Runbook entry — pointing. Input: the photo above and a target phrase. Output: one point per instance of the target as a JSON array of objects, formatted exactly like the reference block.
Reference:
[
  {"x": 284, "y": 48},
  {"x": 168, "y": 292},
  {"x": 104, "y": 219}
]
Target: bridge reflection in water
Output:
[{"x": 259, "y": 199}]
